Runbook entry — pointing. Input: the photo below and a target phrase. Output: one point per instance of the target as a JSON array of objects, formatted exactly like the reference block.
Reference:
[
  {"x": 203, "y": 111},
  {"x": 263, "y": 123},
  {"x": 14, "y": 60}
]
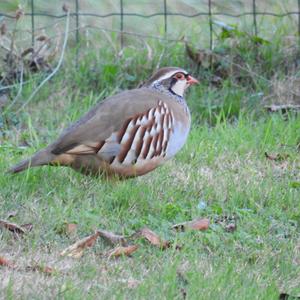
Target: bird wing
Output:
[{"x": 103, "y": 126}]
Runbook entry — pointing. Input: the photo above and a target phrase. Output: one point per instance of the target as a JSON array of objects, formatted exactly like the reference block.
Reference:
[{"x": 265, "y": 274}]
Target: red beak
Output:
[{"x": 191, "y": 80}]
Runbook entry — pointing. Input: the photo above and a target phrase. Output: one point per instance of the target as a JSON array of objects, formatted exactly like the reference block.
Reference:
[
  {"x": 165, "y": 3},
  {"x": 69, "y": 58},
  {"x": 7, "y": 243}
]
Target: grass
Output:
[
  {"x": 223, "y": 166},
  {"x": 222, "y": 171}
]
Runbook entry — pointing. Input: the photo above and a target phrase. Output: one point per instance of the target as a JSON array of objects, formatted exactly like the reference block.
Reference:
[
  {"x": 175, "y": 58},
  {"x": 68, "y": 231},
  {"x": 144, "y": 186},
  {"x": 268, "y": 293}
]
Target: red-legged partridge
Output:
[{"x": 128, "y": 134}]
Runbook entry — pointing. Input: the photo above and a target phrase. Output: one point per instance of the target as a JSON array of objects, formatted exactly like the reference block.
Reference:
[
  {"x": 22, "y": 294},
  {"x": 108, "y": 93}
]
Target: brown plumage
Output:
[{"x": 128, "y": 134}]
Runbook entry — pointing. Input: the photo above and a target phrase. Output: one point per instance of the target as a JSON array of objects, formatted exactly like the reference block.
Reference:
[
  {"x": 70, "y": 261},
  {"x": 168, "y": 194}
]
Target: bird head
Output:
[{"x": 172, "y": 79}]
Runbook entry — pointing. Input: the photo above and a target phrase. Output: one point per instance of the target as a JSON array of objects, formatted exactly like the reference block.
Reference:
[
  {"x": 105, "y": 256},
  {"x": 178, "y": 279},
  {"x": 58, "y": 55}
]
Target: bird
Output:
[{"x": 126, "y": 135}]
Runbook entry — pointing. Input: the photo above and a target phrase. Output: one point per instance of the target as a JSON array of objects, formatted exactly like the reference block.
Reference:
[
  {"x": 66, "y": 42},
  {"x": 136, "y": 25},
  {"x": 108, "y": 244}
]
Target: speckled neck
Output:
[{"x": 160, "y": 88}]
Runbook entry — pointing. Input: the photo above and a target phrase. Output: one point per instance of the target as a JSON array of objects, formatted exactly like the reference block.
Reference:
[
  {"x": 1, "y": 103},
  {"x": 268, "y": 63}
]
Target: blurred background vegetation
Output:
[{"x": 244, "y": 62}]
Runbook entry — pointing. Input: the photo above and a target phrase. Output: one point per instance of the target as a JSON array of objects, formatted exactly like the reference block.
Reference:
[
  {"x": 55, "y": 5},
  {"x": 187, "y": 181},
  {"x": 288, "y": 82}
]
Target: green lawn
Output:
[{"x": 222, "y": 166}]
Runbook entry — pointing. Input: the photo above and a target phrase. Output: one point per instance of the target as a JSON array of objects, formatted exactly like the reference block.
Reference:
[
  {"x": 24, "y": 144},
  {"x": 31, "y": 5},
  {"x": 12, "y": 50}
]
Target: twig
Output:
[
  {"x": 16, "y": 84},
  {"x": 5, "y": 48},
  {"x": 55, "y": 69},
  {"x": 160, "y": 57}
]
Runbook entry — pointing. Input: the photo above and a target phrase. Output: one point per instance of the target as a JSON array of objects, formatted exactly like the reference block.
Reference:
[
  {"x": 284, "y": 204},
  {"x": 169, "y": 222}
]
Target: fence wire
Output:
[
  {"x": 122, "y": 14},
  {"x": 165, "y": 14}
]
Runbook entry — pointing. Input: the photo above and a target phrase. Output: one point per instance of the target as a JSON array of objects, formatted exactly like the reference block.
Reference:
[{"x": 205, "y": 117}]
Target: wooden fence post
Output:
[
  {"x": 122, "y": 22},
  {"x": 165, "y": 18},
  {"x": 77, "y": 31},
  {"x": 32, "y": 23},
  {"x": 210, "y": 26},
  {"x": 254, "y": 17}
]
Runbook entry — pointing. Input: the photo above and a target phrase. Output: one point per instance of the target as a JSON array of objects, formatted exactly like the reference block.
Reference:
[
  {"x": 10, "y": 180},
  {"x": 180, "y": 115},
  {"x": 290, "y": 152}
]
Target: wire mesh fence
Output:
[
  {"x": 125, "y": 18},
  {"x": 122, "y": 10},
  {"x": 200, "y": 21}
]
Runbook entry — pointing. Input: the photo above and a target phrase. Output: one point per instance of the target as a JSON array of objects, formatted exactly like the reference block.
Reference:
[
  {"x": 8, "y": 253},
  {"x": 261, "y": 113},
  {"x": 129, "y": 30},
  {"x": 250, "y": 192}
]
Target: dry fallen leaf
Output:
[
  {"x": 112, "y": 238},
  {"x": 198, "y": 224},
  {"x": 71, "y": 228},
  {"x": 76, "y": 250},
  {"x": 15, "y": 228},
  {"x": 5, "y": 262},
  {"x": 121, "y": 250},
  {"x": 152, "y": 237}
]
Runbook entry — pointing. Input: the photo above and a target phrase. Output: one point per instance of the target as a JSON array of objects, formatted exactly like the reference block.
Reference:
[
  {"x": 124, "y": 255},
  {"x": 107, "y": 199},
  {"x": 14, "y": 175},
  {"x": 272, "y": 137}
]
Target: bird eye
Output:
[{"x": 179, "y": 76}]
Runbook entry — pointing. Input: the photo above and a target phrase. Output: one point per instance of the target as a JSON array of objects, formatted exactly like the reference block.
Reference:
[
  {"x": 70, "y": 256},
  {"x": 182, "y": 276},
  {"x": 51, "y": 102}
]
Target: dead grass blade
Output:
[
  {"x": 76, "y": 250},
  {"x": 6, "y": 263},
  {"x": 198, "y": 224},
  {"x": 112, "y": 238},
  {"x": 121, "y": 250},
  {"x": 149, "y": 52},
  {"x": 152, "y": 237}
]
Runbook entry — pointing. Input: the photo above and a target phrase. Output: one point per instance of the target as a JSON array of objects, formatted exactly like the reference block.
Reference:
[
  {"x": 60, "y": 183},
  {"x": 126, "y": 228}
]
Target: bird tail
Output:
[{"x": 42, "y": 157}]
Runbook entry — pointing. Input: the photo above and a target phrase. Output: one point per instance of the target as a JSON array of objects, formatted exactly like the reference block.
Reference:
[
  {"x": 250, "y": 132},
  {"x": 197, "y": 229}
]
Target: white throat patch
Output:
[{"x": 179, "y": 87}]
